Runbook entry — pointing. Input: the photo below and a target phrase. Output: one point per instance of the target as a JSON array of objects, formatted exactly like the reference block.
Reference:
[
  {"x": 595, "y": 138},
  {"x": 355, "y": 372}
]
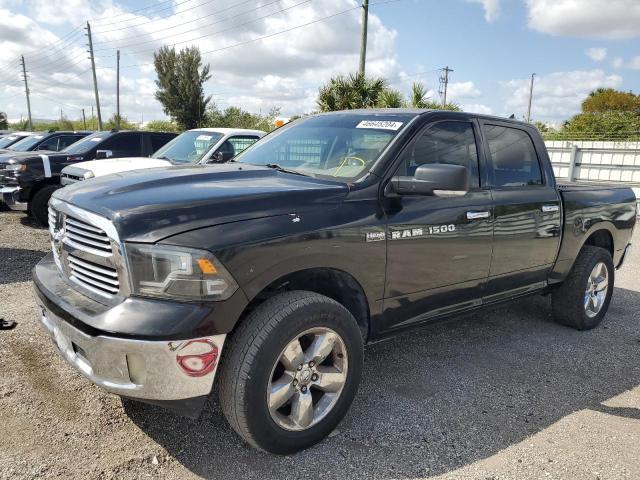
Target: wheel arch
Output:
[{"x": 336, "y": 284}]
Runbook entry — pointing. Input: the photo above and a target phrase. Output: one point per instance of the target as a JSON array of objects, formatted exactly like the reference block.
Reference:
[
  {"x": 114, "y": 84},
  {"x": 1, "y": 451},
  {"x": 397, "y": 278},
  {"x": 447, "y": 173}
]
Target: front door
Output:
[
  {"x": 438, "y": 247},
  {"x": 527, "y": 210}
]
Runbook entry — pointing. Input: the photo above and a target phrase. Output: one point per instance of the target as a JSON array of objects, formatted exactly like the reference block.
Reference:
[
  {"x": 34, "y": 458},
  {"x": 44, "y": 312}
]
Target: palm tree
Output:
[
  {"x": 349, "y": 92},
  {"x": 390, "y": 98}
]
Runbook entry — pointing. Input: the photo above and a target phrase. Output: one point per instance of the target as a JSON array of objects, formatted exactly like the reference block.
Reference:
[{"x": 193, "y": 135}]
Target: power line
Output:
[
  {"x": 263, "y": 37},
  {"x": 235, "y": 27}
]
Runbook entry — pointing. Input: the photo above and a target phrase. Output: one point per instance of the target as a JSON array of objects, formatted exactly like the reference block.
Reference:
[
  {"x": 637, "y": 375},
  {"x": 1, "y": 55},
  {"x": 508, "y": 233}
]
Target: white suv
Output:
[{"x": 201, "y": 145}]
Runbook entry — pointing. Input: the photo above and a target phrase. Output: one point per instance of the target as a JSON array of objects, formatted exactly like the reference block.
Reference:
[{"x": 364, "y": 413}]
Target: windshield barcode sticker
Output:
[
  {"x": 204, "y": 138},
  {"x": 380, "y": 124}
]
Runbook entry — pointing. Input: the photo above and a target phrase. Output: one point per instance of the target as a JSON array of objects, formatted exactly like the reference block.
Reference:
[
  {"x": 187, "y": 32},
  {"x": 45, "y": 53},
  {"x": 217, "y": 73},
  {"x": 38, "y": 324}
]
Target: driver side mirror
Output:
[
  {"x": 430, "y": 178},
  {"x": 101, "y": 154}
]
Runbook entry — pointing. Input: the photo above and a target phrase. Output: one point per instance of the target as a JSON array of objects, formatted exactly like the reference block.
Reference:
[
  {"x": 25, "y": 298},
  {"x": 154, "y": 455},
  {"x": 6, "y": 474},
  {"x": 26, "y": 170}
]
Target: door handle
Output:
[
  {"x": 550, "y": 208},
  {"x": 477, "y": 215}
]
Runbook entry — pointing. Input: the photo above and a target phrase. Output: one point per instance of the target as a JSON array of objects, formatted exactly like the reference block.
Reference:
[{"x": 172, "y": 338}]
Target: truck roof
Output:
[
  {"x": 421, "y": 111},
  {"x": 226, "y": 131}
]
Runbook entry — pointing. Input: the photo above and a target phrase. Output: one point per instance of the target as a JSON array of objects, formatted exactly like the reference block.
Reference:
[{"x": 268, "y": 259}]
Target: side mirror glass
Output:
[
  {"x": 428, "y": 179},
  {"x": 100, "y": 154}
]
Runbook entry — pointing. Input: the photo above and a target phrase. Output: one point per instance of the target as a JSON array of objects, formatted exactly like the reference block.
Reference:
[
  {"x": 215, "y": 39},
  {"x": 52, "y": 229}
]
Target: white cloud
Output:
[
  {"x": 613, "y": 19},
  {"x": 558, "y": 95},
  {"x": 460, "y": 90},
  {"x": 617, "y": 63},
  {"x": 282, "y": 70},
  {"x": 635, "y": 63},
  {"x": 596, "y": 54},
  {"x": 491, "y": 8},
  {"x": 477, "y": 108}
]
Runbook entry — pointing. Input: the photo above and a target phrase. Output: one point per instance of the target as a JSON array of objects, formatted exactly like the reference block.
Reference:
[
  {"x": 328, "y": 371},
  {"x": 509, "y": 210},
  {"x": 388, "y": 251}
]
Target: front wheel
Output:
[
  {"x": 291, "y": 371},
  {"x": 39, "y": 206},
  {"x": 583, "y": 299}
]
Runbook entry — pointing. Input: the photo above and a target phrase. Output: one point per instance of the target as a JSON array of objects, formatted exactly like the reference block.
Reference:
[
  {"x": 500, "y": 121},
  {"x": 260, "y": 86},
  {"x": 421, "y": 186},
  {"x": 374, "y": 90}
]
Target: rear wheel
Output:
[
  {"x": 39, "y": 206},
  {"x": 583, "y": 299},
  {"x": 291, "y": 371}
]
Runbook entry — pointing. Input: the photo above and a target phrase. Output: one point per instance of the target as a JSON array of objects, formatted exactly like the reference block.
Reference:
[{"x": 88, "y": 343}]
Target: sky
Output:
[{"x": 277, "y": 53}]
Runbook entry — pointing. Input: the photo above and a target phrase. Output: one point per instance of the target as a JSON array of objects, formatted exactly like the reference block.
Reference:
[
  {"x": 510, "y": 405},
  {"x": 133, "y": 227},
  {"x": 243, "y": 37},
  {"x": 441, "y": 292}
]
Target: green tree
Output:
[
  {"x": 181, "y": 78},
  {"x": 390, "y": 98},
  {"x": 162, "y": 126},
  {"x": 350, "y": 92},
  {"x": 609, "y": 100},
  {"x": 4, "y": 124},
  {"x": 235, "y": 117},
  {"x": 124, "y": 123}
]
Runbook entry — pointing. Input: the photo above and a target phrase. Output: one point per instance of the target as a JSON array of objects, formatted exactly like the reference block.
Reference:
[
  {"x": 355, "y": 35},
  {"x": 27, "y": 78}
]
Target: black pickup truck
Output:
[
  {"x": 330, "y": 233},
  {"x": 27, "y": 179}
]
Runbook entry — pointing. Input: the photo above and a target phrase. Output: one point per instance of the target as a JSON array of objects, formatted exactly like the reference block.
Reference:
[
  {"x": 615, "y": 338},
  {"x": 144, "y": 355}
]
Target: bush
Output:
[{"x": 162, "y": 126}]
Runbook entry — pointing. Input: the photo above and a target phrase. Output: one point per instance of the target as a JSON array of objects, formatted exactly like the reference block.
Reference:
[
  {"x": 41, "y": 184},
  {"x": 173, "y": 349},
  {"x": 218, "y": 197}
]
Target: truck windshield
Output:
[
  {"x": 188, "y": 147},
  {"x": 337, "y": 146},
  {"x": 26, "y": 143},
  {"x": 8, "y": 140},
  {"x": 87, "y": 143}
]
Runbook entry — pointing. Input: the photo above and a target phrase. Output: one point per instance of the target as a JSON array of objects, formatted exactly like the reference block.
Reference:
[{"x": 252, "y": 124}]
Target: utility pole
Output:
[
  {"x": 95, "y": 80},
  {"x": 444, "y": 83},
  {"x": 530, "y": 98},
  {"x": 363, "y": 40},
  {"x": 26, "y": 90},
  {"x": 118, "y": 89},
  {"x": 84, "y": 120}
]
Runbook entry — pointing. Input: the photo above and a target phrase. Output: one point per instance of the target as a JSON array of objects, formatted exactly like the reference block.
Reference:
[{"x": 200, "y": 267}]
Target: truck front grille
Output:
[
  {"x": 92, "y": 275},
  {"x": 84, "y": 252},
  {"x": 86, "y": 236},
  {"x": 68, "y": 179}
]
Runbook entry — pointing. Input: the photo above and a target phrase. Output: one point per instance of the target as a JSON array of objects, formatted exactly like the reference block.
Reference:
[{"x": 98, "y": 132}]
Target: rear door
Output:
[
  {"x": 438, "y": 247},
  {"x": 527, "y": 211}
]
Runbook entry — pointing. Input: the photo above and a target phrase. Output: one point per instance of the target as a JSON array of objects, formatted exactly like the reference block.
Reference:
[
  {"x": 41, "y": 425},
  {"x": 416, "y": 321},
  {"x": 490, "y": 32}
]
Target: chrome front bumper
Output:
[
  {"x": 146, "y": 370},
  {"x": 10, "y": 197}
]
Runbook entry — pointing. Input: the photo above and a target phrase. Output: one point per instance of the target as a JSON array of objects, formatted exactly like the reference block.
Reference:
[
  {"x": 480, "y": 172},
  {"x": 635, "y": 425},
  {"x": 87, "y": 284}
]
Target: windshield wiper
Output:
[{"x": 280, "y": 168}]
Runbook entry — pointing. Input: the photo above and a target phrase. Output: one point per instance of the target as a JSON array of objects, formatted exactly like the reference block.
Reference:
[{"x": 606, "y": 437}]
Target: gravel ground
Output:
[{"x": 504, "y": 394}]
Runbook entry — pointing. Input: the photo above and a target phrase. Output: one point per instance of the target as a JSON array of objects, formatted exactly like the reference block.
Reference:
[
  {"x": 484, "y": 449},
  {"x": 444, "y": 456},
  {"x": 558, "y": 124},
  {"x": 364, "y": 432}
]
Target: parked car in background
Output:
[
  {"x": 28, "y": 180},
  {"x": 201, "y": 145},
  {"x": 11, "y": 138},
  {"x": 334, "y": 231},
  {"x": 51, "y": 141}
]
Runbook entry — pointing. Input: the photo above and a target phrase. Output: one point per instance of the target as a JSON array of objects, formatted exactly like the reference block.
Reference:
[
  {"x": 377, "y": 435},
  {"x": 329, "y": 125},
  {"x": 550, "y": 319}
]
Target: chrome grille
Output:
[
  {"x": 84, "y": 252},
  {"x": 99, "y": 277},
  {"x": 86, "y": 235}
]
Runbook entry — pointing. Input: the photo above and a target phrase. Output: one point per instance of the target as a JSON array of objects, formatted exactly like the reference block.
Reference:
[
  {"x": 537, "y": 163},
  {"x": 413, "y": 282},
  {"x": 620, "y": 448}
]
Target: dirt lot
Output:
[{"x": 503, "y": 394}]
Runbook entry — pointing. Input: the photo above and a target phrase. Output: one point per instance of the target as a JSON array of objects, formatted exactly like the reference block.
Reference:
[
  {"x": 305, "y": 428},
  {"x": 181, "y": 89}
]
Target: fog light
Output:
[{"x": 137, "y": 368}]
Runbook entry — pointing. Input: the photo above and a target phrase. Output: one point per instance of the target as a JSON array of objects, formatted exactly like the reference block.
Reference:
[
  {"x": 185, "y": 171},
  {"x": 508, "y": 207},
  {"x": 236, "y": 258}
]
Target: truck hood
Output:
[
  {"x": 103, "y": 167},
  {"x": 148, "y": 206}
]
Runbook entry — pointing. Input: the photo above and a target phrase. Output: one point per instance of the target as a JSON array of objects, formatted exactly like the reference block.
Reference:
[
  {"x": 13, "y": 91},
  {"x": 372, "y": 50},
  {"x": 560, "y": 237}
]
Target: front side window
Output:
[
  {"x": 338, "y": 146},
  {"x": 513, "y": 157},
  {"x": 447, "y": 142},
  {"x": 188, "y": 147},
  {"x": 241, "y": 143}
]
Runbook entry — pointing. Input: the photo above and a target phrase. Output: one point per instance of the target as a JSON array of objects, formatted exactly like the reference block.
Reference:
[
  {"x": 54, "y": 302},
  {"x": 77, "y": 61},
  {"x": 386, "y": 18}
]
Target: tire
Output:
[
  {"x": 569, "y": 301},
  {"x": 39, "y": 206},
  {"x": 251, "y": 363}
]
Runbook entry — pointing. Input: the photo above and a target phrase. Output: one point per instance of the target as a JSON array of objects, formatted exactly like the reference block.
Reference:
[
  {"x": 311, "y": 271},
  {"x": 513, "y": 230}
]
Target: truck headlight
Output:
[
  {"x": 177, "y": 272},
  {"x": 16, "y": 167}
]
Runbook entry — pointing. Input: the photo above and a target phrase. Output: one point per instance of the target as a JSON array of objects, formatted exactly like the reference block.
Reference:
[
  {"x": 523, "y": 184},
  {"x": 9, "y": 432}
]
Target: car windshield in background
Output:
[
  {"x": 26, "y": 143},
  {"x": 188, "y": 147},
  {"x": 340, "y": 146},
  {"x": 87, "y": 143},
  {"x": 8, "y": 140}
]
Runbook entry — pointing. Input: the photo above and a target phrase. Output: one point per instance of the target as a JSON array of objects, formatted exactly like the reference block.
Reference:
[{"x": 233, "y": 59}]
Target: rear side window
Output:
[
  {"x": 446, "y": 142},
  {"x": 123, "y": 145},
  {"x": 513, "y": 157}
]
